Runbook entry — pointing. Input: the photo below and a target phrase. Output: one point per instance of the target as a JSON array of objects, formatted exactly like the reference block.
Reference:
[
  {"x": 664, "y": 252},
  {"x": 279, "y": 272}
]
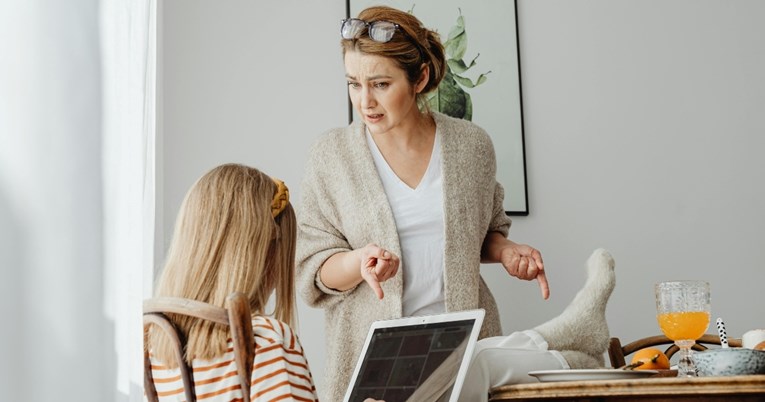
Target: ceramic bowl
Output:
[{"x": 729, "y": 361}]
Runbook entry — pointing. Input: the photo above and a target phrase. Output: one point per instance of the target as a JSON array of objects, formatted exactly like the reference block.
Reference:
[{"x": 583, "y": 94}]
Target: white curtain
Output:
[
  {"x": 76, "y": 197},
  {"x": 128, "y": 54}
]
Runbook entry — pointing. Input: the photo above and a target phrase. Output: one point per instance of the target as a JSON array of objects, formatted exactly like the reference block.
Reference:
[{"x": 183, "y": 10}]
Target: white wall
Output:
[
  {"x": 644, "y": 128},
  {"x": 245, "y": 81},
  {"x": 58, "y": 324},
  {"x": 643, "y": 120}
]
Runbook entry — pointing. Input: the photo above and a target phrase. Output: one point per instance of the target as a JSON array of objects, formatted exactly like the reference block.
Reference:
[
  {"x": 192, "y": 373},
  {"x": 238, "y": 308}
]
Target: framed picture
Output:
[{"x": 481, "y": 41}]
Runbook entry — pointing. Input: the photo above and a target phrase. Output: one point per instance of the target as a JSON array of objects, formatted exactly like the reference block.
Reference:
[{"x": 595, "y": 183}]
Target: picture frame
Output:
[{"x": 489, "y": 29}]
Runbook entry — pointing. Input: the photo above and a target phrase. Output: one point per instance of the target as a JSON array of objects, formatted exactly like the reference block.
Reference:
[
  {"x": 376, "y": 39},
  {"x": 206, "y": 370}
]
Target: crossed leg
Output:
[{"x": 577, "y": 338}]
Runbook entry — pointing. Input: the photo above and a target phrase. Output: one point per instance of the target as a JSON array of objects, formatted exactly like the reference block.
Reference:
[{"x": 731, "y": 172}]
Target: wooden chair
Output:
[
  {"x": 617, "y": 352},
  {"x": 236, "y": 316}
]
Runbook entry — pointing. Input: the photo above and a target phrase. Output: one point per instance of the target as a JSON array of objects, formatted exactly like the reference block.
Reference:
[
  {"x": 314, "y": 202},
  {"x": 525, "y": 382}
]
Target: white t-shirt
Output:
[{"x": 419, "y": 216}]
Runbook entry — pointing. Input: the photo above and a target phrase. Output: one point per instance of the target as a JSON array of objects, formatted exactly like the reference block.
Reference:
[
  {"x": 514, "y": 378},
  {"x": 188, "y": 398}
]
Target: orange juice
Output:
[{"x": 685, "y": 325}]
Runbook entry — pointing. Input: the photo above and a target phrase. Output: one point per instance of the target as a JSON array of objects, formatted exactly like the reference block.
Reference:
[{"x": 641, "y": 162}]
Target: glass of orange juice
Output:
[{"x": 682, "y": 309}]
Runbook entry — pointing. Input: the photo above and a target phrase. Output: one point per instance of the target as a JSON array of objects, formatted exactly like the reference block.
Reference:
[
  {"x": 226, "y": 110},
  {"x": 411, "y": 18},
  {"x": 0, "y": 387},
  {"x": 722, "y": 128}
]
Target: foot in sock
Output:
[
  {"x": 581, "y": 360},
  {"x": 582, "y": 326}
]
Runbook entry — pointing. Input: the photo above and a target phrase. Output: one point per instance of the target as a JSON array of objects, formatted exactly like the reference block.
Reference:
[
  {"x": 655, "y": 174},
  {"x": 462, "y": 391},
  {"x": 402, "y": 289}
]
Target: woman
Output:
[
  {"x": 403, "y": 199},
  {"x": 235, "y": 232}
]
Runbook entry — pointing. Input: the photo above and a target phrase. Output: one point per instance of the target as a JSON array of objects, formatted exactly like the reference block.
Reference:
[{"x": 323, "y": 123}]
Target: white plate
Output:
[{"x": 588, "y": 375}]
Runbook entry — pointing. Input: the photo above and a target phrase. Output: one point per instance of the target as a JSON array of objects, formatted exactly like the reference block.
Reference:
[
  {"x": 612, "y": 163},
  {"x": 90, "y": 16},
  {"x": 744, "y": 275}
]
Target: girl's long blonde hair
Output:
[{"x": 227, "y": 240}]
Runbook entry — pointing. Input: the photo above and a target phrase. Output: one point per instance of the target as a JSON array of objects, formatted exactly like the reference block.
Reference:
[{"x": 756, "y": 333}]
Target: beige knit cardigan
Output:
[{"x": 344, "y": 207}]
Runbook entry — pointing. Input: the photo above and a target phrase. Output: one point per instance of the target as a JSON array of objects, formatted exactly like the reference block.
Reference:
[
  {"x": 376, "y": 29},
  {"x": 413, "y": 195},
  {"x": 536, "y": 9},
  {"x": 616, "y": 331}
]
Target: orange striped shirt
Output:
[{"x": 280, "y": 371}]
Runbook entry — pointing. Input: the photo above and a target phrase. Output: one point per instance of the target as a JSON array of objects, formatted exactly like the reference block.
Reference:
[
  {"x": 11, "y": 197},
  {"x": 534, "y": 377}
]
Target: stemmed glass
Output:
[{"x": 683, "y": 309}]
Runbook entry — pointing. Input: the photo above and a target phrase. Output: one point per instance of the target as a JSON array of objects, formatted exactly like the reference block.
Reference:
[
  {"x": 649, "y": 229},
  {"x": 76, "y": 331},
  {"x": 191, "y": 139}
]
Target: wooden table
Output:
[{"x": 747, "y": 388}]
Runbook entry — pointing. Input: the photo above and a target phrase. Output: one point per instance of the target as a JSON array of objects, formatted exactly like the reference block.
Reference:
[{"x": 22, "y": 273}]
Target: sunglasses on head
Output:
[{"x": 379, "y": 31}]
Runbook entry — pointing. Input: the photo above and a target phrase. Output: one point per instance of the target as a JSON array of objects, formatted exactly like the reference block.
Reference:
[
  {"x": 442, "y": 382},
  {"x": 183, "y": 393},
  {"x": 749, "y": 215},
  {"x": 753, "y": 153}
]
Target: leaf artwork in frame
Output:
[
  {"x": 450, "y": 97},
  {"x": 482, "y": 83}
]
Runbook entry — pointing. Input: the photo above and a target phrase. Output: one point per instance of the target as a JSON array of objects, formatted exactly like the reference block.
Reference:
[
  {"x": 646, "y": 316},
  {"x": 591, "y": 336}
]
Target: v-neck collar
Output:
[{"x": 426, "y": 177}]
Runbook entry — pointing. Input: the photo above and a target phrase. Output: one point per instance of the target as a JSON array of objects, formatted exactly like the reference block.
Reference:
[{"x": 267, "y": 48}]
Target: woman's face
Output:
[{"x": 380, "y": 92}]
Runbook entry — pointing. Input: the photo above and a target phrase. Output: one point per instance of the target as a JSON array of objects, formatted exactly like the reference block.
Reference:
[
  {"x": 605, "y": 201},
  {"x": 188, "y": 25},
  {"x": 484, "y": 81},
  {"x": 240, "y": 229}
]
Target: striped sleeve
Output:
[{"x": 280, "y": 370}]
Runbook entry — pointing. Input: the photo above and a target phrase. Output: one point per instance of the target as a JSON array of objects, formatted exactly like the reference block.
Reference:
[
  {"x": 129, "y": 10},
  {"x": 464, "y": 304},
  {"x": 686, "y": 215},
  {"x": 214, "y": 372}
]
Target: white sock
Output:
[
  {"x": 582, "y": 326},
  {"x": 581, "y": 360}
]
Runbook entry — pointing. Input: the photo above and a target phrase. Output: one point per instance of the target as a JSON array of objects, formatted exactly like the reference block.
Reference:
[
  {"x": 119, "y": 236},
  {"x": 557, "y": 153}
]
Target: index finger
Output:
[
  {"x": 543, "y": 285},
  {"x": 375, "y": 285}
]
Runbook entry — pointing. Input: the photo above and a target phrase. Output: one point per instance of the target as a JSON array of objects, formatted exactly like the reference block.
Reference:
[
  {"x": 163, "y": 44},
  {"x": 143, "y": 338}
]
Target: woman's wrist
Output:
[
  {"x": 342, "y": 271},
  {"x": 493, "y": 246}
]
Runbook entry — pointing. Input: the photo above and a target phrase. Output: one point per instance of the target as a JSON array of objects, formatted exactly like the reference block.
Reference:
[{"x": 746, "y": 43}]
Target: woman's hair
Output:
[
  {"x": 412, "y": 45},
  {"x": 227, "y": 240}
]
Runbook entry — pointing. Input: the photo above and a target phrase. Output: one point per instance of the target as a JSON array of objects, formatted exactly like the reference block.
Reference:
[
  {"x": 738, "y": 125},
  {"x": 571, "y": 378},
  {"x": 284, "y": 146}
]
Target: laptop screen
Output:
[{"x": 426, "y": 358}]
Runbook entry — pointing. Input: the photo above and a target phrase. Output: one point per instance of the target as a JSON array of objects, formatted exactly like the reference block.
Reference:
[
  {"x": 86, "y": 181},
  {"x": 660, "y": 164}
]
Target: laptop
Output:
[{"x": 422, "y": 359}]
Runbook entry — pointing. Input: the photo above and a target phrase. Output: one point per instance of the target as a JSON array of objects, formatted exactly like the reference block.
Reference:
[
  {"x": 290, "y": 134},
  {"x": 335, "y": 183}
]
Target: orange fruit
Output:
[{"x": 652, "y": 359}]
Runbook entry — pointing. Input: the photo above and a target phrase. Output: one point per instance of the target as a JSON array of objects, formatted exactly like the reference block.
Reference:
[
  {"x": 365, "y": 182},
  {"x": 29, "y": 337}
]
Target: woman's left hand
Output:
[{"x": 525, "y": 262}]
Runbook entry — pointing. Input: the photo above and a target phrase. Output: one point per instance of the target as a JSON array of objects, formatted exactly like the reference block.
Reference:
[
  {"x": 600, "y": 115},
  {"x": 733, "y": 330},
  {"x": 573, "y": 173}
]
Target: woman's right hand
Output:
[{"x": 377, "y": 266}]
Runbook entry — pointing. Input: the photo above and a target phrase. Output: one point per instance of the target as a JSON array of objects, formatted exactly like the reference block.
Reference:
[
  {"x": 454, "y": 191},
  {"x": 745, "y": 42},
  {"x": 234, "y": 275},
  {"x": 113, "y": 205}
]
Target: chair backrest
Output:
[
  {"x": 617, "y": 352},
  {"x": 236, "y": 315}
]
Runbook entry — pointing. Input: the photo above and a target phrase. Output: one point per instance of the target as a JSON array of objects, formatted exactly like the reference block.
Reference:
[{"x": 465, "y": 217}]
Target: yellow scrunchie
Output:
[{"x": 281, "y": 198}]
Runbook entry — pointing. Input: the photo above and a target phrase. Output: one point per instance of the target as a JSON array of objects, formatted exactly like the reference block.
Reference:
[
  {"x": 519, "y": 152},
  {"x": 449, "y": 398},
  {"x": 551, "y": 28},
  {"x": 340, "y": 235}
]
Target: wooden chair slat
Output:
[
  {"x": 187, "y": 307},
  {"x": 242, "y": 337},
  {"x": 236, "y": 315},
  {"x": 179, "y": 344}
]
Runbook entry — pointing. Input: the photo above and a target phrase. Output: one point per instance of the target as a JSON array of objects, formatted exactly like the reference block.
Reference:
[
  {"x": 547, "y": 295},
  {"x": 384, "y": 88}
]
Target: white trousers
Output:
[{"x": 503, "y": 360}]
